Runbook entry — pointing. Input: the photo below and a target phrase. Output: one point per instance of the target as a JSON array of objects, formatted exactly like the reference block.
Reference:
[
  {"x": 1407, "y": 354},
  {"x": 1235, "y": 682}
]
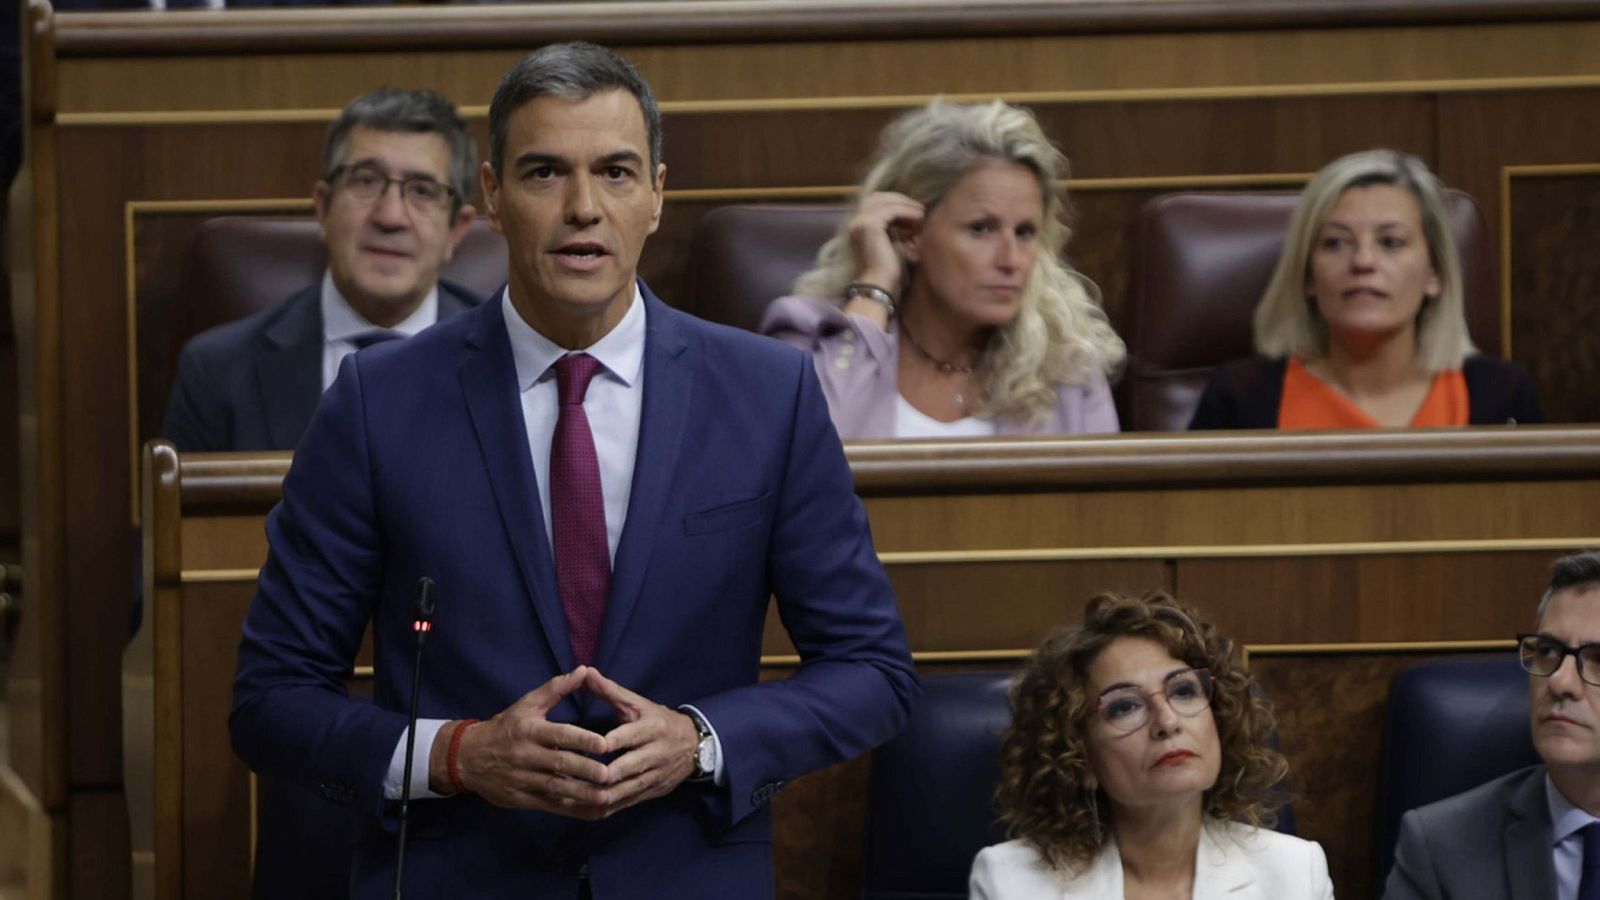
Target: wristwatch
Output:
[{"x": 705, "y": 752}]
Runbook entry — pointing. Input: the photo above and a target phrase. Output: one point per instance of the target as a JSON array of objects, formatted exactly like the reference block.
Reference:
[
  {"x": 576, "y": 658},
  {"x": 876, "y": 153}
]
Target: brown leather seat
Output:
[
  {"x": 240, "y": 264},
  {"x": 1201, "y": 263},
  {"x": 744, "y": 257}
]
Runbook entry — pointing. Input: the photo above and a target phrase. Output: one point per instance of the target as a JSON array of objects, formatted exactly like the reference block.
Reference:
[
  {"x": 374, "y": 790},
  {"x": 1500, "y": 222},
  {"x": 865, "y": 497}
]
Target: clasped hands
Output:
[{"x": 521, "y": 759}]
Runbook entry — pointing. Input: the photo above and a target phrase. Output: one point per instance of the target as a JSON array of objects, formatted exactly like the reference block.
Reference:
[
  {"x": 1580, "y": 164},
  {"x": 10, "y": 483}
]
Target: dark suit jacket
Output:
[
  {"x": 417, "y": 463},
  {"x": 1492, "y": 841},
  {"x": 1246, "y": 393},
  {"x": 253, "y": 384}
]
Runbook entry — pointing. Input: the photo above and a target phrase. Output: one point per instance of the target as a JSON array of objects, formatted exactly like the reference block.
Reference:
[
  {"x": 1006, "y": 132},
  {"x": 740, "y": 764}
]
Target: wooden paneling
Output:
[
  {"x": 1355, "y": 599},
  {"x": 1330, "y": 719},
  {"x": 1554, "y": 318},
  {"x": 974, "y": 563}
]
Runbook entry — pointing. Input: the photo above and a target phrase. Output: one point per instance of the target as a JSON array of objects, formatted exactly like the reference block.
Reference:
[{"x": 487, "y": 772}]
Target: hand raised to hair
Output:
[
  {"x": 879, "y": 219},
  {"x": 520, "y": 759}
]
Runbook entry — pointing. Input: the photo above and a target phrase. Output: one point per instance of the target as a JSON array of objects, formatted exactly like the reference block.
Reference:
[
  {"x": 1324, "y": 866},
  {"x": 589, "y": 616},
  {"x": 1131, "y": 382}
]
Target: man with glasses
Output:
[
  {"x": 392, "y": 205},
  {"x": 1533, "y": 834}
]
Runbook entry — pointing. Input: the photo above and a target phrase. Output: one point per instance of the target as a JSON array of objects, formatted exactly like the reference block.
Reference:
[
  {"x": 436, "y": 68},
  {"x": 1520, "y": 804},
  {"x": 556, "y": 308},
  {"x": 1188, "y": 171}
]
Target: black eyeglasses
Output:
[
  {"x": 1127, "y": 708},
  {"x": 366, "y": 184},
  {"x": 1542, "y": 655}
]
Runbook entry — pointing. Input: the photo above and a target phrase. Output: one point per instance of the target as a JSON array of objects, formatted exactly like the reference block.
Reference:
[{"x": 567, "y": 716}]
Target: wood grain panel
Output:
[
  {"x": 1555, "y": 279},
  {"x": 1330, "y": 720},
  {"x": 1413, "y": 597},
  {"x": 216, "y": 861},
  {"x": 857, "y": 67},
  {"x": 96, "y": 845},
  {"x": 1203, "y": 518}
]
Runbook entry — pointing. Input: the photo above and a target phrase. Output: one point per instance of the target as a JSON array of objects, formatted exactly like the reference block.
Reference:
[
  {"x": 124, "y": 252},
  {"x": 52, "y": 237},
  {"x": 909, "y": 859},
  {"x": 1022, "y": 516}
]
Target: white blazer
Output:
[{"x": 1233, "y": 862}]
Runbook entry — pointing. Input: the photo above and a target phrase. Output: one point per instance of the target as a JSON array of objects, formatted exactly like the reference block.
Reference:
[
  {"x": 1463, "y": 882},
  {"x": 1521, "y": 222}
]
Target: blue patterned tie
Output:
[{"x": 1589, "y": 884}]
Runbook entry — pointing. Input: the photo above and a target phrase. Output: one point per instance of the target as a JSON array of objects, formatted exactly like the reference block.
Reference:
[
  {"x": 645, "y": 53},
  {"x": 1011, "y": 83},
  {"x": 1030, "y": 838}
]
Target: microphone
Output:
[{"x": 421, "y": 622}]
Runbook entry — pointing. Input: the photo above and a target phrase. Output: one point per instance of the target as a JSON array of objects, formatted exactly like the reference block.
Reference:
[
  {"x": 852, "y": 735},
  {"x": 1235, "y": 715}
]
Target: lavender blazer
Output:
[{"x": 856, "y": 362}]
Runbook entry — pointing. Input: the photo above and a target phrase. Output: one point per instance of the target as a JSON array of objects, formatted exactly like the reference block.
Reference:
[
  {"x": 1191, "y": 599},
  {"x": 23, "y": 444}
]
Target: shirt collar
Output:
[
  {"x": 341, "y": 322},
  {"x": 1565, "y": 819},
  {"x": 620, "y": 351}
]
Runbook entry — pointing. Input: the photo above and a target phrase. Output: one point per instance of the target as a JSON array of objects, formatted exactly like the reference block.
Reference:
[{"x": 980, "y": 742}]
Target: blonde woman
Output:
[
  {"x": 1363, "y": 323},
  {"x": 942, "y": 307}
]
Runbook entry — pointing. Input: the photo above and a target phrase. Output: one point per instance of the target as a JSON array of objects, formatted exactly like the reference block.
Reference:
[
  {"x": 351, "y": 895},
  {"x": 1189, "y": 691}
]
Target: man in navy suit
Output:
[
  {"x": 392, "y": 205},
  {"x": 607, "y": 493}
]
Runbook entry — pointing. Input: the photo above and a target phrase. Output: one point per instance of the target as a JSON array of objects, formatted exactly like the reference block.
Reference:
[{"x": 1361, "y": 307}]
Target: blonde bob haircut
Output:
[
  {"x": 1060, "y": 334},
  {"x": 1286, "y": 320}
]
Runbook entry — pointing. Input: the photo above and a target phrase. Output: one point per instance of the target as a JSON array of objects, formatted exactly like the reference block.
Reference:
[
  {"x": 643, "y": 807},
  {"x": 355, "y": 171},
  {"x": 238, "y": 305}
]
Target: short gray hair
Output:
[
  {"x": 1286, "y": 324},
  {"x": 413, "y": 112},
  {"x": 1575, "y": 570},
  {"x": 576, "y": 70}
]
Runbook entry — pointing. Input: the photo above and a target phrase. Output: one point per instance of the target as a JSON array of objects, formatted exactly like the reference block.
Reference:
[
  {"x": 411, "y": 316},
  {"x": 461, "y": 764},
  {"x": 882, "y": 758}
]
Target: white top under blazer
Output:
[{"x": 1233, "y": 862}]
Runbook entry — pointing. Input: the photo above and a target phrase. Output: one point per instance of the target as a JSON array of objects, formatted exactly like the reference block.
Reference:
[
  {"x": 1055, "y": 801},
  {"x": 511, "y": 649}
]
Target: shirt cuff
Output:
[
  {"x": 427, "y": 730},
  {"x": 719, "y": 774}
]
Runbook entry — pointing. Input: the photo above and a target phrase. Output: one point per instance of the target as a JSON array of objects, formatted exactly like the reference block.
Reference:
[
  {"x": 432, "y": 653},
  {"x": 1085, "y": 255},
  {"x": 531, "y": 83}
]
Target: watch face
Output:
[{"x": 703, "y": 757}]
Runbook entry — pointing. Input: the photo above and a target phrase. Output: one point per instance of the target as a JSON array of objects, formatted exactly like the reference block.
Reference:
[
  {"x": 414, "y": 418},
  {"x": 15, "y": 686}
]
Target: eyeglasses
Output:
[
  {"x": 1542, "y": 655},
  {"x": 1126, "y": 709},
  {"x": 365, "y": 185}
]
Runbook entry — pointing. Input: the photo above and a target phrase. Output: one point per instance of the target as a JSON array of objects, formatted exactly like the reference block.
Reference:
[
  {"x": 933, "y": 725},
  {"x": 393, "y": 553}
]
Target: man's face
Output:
[
  {"x": 575, "y": 200},
  {"x": 1565, "y": 709},
  {"x": 385, "y": 254}
]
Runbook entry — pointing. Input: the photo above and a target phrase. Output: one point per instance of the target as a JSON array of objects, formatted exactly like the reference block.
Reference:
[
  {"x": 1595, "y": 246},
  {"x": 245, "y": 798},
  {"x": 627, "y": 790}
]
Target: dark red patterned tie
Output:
[{"x": 578, "y": 510}]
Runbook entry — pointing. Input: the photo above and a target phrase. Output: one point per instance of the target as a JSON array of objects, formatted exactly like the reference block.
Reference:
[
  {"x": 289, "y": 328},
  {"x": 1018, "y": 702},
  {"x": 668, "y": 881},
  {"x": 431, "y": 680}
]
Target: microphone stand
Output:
[{"x": 422, "y": 623}]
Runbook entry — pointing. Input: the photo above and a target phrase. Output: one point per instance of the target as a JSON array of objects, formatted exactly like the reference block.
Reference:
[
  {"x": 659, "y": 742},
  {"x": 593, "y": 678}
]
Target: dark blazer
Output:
[
  {"x": 1492, "y": 841},
  {"x": 417, "y": 463},
  {"x": 1245, "y": 393},
  {"x": 253, "y": 384}
]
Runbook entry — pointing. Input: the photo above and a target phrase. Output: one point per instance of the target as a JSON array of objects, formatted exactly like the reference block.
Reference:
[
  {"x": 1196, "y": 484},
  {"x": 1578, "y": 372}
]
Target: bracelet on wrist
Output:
[
  {"x": 452, "y": 760},
  {"x": 863, "y": 291}
]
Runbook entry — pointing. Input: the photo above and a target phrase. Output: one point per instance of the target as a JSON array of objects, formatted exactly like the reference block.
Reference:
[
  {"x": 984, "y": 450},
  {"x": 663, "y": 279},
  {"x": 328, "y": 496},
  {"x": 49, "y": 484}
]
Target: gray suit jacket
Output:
[
  {"x": 1490, "y": 842},
  {"x": 253, "y": 384}
]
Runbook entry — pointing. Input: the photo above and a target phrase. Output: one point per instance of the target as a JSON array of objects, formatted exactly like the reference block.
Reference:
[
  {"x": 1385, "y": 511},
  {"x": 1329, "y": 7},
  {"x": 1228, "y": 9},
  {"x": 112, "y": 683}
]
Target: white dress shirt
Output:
[
  {"x": 1566, "y": 850},
  {"x": 614, "y": 403},
  {"x": 341, "y": 322}
]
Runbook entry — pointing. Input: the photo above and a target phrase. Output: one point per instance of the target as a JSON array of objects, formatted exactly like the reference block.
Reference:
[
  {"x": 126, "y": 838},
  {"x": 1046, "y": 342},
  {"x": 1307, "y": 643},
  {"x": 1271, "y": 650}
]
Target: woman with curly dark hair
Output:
[{"x": 1139, "y": 764}]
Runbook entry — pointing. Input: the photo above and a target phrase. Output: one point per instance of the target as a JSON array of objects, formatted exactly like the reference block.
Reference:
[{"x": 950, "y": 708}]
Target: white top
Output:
[
  {"x": 910, "y": 422},
  {"x": 341, "y": 322},
  {"x": 1233, "y": 862}
]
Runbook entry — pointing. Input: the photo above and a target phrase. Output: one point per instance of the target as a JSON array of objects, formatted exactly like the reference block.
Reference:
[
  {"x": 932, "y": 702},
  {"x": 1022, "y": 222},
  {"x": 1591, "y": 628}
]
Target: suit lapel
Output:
[
  {"x": 668, "y": 388},
  {"x": 489, "y": 387},
  {"x": 453, "y": 300},
  {"x": 1221, "y": 868},
  {"x": 1529, "y": 866},
  {"x": 289, "y": 368}
]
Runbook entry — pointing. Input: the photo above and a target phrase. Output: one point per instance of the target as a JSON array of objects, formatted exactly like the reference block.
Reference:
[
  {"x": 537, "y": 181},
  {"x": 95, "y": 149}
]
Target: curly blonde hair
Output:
[
  {"x": 1045, "y": 795},
  {"x": 1060, "y": 335}
]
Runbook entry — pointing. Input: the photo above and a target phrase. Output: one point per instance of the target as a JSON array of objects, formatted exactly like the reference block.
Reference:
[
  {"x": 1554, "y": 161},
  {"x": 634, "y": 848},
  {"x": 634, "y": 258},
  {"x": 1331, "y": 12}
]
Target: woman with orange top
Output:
[{"x": 1362, "y": 325}]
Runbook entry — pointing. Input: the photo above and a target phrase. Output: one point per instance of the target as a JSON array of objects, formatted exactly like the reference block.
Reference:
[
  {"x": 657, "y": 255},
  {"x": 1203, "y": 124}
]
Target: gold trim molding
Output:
[
  {"x": 894, "y": 101},
  {"x": 1073, "y": 554},
  {"x": 1543, "y": 170}
]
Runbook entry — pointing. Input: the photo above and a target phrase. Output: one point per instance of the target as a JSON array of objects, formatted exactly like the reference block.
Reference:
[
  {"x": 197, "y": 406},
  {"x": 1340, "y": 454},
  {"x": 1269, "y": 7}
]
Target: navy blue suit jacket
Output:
[
  {"x": 253, "y": 384},
  {"x": 417, "y": 463}
]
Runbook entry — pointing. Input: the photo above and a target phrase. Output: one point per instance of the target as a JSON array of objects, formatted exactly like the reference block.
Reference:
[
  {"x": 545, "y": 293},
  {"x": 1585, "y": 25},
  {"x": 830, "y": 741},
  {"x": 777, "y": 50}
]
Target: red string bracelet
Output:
[{"x": 452, "y": 762}]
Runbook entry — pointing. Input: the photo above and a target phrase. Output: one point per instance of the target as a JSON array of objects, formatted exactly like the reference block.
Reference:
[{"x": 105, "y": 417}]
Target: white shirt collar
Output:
[
  {"x": 341, "y": 322},
  {"x": 1565, "y": 819},
  {"x": 620, "y": 351}
]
